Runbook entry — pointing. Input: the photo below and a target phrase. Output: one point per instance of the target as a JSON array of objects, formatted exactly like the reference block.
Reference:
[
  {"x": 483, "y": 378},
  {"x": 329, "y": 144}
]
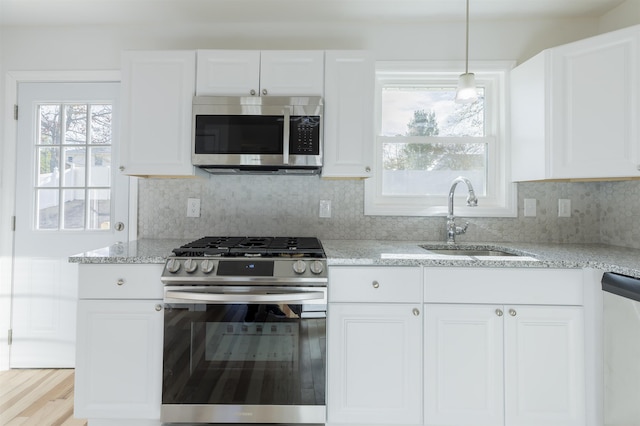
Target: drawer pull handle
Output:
[
  {"x": 416, "y": 312},
  {"x": 120, "y": 281},
  {"x": 158, "y": 307},
  {"x": 375, "y": 284},
  {"x": 512, "y": 312},
  {"x": 499, "y": 312}
]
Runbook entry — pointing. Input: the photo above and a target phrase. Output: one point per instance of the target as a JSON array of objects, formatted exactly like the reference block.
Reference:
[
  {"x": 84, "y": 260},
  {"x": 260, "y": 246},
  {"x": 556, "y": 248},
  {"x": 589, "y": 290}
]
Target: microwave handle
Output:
[{"x": 286, "y": 133}]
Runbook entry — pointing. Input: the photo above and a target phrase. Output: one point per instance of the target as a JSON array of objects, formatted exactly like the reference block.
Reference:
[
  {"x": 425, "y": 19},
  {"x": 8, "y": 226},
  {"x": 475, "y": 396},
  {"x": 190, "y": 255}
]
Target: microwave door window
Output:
[{"x": 239, "y": 134}]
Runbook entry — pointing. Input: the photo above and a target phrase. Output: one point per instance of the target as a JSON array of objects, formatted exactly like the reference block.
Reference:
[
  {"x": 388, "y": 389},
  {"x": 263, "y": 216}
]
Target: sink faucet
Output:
[{"x": 472, "y": 201}]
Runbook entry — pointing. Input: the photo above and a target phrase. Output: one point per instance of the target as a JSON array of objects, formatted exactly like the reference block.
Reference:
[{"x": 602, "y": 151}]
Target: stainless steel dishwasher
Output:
[{"x": 621, "y": 349}]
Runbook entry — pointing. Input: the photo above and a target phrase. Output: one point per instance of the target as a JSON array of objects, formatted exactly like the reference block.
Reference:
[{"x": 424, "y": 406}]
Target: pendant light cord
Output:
[{"x": 466, "y": 67}]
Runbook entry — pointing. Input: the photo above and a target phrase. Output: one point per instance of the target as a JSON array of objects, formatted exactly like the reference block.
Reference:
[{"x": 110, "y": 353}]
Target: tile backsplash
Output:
[{"x": 288, "y": 205}]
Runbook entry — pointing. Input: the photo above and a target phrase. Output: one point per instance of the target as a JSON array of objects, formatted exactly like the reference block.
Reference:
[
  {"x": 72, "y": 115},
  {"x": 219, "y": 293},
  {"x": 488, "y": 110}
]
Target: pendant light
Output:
[{"x": 466, "y": 92}]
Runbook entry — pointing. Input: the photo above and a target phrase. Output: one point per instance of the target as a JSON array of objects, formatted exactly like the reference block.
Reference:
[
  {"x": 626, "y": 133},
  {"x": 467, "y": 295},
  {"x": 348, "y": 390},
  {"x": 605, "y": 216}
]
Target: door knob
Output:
[{"x": 119, "y": 226}]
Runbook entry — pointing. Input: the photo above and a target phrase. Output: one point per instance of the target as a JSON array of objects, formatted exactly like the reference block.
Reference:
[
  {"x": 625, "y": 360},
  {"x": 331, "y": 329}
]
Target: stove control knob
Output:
[
  {"x": 317, "y": 267},
  {"x": 173, "y": 266},
  {"x": 190, "y": 266},
  {"x": 206, "y": 266},
  {"x": 299, "y": 266}
]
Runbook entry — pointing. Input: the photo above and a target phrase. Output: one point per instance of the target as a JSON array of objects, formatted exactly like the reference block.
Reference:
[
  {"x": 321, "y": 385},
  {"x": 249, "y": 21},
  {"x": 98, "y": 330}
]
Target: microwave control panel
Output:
[{"x": 304, "y": 136}]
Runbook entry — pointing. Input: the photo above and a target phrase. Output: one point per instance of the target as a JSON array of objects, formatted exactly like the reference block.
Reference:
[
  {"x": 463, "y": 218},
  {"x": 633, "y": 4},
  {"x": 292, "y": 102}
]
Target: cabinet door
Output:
[
  {"x": 157, "y": 92},
  {"x": 544, "y": 366},
  {"x": 374, "y": 364},
  {"x": 228, "y": 72},
  {"x": 463, "y": 365},
  {"x": 595, "y": 107},
  {"x": 292, "y": 72},
  {"x": 119, "y": 359},
  {"x": 348, "y": 124}
]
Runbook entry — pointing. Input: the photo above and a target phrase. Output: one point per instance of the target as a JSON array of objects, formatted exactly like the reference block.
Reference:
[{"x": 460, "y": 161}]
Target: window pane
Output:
[
  {"x": 48, "y": 171},
  {"x": 430, "y": 111},
  {"x": 99, "y": 209},
  {"x": 49, "y": 125},
  {"x": 76, "y": 124},
  {"x": 48, "y": 208},
  {"x": 100, "y": 166},
  {"x": 74, "y": 166},
  {"x": 101, "y": 124},
  {"x": 428, "y": 169},
  {"x": 73, "y": 208}
]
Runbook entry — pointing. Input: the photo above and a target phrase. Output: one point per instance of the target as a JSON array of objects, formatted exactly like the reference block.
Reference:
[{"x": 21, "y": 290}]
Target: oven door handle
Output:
[{"x": 272, "y": 297}]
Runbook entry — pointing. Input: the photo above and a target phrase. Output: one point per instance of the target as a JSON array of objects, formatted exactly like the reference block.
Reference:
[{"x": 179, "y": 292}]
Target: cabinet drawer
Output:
[
  {"x": 117, "y": 281},
  {"x": 375, "y": 284},
  {"x": 528, "y": 286}
]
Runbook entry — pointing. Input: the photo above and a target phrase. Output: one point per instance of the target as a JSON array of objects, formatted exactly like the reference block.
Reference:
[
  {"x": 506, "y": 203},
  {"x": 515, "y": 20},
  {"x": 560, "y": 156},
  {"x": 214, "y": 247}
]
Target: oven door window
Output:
[
  {"x": 239, "y": 134},
  {"x": 244, "y": 354}
]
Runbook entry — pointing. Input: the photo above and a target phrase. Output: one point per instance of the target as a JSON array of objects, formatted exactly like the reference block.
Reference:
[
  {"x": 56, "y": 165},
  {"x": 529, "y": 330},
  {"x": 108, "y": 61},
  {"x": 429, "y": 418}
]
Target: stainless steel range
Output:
[{"x": 245, "y": 331}]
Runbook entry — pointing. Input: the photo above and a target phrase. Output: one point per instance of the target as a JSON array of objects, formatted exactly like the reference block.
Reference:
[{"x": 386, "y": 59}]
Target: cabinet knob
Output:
[
  {"x": 264, "y": 91},
  {"x": 499, "y": 312},
  {"x": 120, "y": 281},
  {"x": 416, "y": 312},
  {"x": 375, "y": 284},
  {"x": 158, "y": 307},
  {"x": 512, "y": 312},
  {"x": 252, "y": 92},
  {"x": 367, "y": 169},
  {"x": 121, "y": 168}
]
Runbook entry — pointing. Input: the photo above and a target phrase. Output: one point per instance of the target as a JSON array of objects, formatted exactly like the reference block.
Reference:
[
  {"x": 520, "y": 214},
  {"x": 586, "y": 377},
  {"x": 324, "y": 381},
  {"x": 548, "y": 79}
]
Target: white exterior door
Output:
[{"x": 69, "y": 199}]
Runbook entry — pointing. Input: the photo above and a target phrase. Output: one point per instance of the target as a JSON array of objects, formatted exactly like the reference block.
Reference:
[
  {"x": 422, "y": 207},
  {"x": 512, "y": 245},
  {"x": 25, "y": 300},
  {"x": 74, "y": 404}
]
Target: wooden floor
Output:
[{"x": 37, "y": 398}]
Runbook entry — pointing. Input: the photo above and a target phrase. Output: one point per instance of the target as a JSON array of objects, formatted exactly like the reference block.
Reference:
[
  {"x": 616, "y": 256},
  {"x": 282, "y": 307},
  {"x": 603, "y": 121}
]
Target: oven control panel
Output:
[{"x": 238, "y": 270}]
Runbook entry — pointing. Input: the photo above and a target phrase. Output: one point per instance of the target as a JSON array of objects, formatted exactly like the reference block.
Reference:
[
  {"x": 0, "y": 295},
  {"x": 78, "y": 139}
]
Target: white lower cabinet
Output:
[
  {"x": 374, "y": 348},
  {"x": 504, "y": 364},
  {"x": 118, "y": 376}
]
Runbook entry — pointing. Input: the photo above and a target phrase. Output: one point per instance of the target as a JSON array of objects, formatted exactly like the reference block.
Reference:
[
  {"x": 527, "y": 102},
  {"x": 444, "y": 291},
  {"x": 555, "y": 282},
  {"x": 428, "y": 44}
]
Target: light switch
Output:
[
  {"x": 564, "y": 207},
  {"x": 325, "y": 208},
  {"x": 530, "y": 207}
]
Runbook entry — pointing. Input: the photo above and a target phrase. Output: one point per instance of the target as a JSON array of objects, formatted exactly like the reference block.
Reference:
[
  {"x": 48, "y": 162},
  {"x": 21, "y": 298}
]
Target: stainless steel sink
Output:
[{"x": 453, "y": 251}]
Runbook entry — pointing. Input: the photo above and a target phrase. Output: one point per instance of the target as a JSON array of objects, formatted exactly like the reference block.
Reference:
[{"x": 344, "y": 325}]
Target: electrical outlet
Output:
[
  {"x": 530, "y": 207},
  {"x": 193, "y": 207},
  {"x": 564, "y": 207},
  {"x": 325, "y": 208}
]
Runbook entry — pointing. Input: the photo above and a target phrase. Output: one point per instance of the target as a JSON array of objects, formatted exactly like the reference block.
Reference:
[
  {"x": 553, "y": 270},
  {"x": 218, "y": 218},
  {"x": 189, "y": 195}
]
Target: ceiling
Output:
[{"x": 106, "y": 12}]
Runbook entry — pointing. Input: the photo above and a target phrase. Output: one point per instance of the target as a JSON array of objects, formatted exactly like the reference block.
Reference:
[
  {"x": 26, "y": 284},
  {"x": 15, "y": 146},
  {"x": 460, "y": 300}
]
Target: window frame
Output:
[{"x": 501, "y": 197}]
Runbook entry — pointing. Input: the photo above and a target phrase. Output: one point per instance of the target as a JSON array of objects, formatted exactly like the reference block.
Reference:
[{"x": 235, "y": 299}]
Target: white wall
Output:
[
  {"x": 625, "y": 15},
  {"x": 41, "y": 48}
]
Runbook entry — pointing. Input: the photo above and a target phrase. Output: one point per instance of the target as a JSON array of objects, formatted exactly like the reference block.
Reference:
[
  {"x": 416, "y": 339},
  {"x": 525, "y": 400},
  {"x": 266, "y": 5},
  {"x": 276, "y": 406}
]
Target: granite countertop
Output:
[{"x": 409, "y": 253}]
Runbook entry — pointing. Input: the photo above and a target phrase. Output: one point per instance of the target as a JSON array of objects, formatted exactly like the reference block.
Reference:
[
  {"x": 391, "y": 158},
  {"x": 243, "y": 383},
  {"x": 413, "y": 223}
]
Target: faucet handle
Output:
[{"x": 462, "y": 229}]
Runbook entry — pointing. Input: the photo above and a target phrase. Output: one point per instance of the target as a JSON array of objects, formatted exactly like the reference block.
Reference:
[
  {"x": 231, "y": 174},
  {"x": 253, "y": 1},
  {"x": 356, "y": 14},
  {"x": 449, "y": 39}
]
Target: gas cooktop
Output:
[{"x": 252, "y": 247}]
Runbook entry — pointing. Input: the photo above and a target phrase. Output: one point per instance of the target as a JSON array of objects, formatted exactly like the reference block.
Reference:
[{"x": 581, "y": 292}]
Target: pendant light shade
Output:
[{"x": 466, "y": 92}]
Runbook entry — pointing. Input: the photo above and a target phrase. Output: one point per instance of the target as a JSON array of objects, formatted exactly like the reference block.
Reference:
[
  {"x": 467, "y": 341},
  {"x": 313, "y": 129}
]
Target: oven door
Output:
[{"x": 244, "y": 355}]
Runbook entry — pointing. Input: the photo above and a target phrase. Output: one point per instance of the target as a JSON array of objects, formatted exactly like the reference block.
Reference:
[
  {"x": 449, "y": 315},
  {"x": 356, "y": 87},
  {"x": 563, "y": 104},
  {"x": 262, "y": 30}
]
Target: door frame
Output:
[{"x": 9, "y": 177}]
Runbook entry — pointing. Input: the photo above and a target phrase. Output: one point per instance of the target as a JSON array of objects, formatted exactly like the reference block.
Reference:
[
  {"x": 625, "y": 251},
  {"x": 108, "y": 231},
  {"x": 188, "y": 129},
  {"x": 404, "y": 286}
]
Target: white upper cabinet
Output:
[
  {"x": 260, "y": 73},
  {"x": 348, "y": 127},
  {"x": 157, "y": 92},
  {"x": 574, "y": 110}
]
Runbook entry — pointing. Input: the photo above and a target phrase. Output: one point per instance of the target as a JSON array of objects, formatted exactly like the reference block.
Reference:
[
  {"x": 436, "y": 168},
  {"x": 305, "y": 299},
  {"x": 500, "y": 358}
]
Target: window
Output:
[
  {"x": 73, "y": 166},
  {"x": 424, "y": 140}
]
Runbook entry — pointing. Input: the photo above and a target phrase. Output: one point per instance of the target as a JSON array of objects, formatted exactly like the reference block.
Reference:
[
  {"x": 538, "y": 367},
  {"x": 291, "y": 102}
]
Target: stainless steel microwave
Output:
[{"x": 259, "y": 134}]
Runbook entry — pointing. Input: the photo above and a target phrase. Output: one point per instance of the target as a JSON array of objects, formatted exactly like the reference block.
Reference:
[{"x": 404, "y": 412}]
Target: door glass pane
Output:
[
  {"x": 74, "y": 208},
  {"x": 75, "y": 124},
  {"x": 48, "y": 208},
  {"x": 74, "y": 169},
  {"x": 101, "y": 124},
  {"x": 100, "y": 166},
  {"x": 99, "y": 209},
  {"x": 49, "y": 125},
  {"x": 48, "y": 170}
]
